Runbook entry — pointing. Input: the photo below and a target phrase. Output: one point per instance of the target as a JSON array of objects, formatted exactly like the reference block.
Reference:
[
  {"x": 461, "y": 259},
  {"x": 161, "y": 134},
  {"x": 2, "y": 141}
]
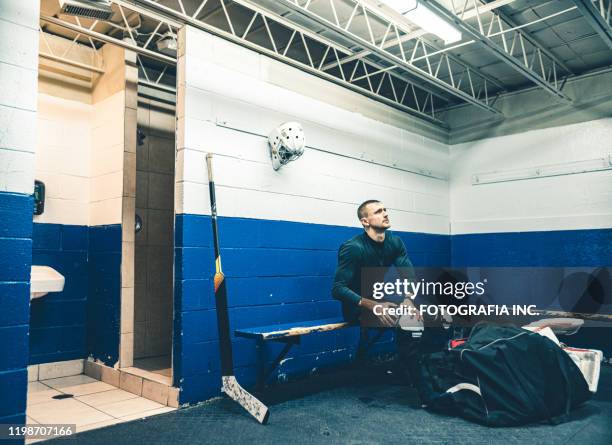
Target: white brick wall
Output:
[
  {"x": 18, "y": 91},
  {"x": 106, "y": 185},
  {"x": 229, "y": 110},
  {"x": 578, "y": 201},
  {"x": 79, "y": 157},
  {"x": 62, "y": 159}
]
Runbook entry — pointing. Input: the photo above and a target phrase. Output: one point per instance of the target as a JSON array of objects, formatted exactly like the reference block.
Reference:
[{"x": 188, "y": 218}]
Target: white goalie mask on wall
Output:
[{"x": 286, "y": 143}]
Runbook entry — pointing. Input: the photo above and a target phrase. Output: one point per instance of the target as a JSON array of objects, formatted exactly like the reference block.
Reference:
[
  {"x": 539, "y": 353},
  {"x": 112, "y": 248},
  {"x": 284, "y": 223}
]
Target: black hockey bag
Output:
[{"x": 503, "y": 376}]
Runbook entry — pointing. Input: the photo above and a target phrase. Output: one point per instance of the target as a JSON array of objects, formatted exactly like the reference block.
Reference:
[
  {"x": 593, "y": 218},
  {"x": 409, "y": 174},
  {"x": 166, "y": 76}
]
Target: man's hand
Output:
[
  {"x": 409, "y": 302},
  {"x": 384, "y": 318},
  {"x": 412, "y": 319}
]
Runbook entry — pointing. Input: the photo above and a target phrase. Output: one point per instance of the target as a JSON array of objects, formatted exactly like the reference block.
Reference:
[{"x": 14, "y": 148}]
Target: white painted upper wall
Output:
[
  {"x": 107, "y": 159},
  {"x": 62, "y": 159},
  {"x": 227, "y": 106},
  {"x": 18, "y": 94},
  {"x": 80, "y": 146},
  {"x": 79, "y": 157},
  {"x": 577, "y": 201}
]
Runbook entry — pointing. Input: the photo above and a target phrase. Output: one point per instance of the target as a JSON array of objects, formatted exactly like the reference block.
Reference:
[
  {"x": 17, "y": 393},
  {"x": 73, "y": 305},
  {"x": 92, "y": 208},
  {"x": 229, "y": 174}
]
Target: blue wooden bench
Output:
[{"x": 290, "y": 334}]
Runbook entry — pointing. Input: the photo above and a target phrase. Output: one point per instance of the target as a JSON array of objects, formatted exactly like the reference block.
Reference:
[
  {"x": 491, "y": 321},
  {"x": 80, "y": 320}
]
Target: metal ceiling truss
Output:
[
  {"x": 133, "y": 38},
  {"x": 304, "y": 49},
  {"x": 411, "y": 35},
  {"x": 367, "y": 29},
  {"x": 47, "y": 52},
  {"x": 509, "y": 44},
  {"x": 421, "y": 32},
  {"x": 140, "y": 43},
  {"x": 157, "y": 79},
  {"x": 599, "y": 15},
  {"x": 279, "y": 38},
  {"x": 527, "y": 36},
  {"x": 356, "y": 46}
]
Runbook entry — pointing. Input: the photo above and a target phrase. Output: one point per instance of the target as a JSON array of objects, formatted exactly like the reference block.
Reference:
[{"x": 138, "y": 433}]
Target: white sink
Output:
[{"x": 45, "y": 279}]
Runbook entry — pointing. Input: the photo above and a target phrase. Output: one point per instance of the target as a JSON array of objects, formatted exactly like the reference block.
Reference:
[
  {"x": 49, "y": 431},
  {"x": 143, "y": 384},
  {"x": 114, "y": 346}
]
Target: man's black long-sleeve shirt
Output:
[{"x": 360, "y": 252}]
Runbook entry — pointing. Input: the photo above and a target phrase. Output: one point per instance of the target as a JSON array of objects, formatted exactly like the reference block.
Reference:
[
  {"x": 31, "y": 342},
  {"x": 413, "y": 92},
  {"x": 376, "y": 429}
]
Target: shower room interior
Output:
[
  {"x": 154, "y": 228},
  {"x": 105, "y": 155}
]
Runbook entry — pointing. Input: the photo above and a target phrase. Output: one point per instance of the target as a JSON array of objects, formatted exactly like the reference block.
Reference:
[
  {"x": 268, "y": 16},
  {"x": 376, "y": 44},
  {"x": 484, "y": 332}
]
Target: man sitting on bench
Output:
[{"x": 378, "y": 248}]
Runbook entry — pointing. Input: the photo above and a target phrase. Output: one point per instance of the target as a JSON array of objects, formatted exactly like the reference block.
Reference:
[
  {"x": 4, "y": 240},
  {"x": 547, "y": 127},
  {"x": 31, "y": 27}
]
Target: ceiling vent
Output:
[{"x": 91, "y": 9}]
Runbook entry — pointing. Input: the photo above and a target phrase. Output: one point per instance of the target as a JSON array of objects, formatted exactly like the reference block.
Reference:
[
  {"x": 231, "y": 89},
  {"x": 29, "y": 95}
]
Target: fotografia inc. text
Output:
[{"x": 434, "y": 310}]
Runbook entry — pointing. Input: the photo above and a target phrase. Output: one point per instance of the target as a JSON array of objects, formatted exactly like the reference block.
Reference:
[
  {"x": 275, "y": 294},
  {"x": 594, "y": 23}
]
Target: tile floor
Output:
[
  {"x": 158, "y": 365},
  {"x": 95, "y": 404},
  {"x": 157, "y": 369}
]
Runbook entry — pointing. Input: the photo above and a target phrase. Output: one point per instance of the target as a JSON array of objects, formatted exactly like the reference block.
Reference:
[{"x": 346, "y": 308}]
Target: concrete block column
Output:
[{"x": 18, "y": 104}]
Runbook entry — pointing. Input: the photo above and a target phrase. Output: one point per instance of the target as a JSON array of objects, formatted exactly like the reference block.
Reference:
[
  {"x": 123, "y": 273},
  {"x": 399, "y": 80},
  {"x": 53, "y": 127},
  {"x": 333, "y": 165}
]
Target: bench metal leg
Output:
[
  {"x": 361, "y": 347},
  {"x": 262, "y": 373},
  {"x": 379, "y": 334},
  {"x": 261, "y": 364},
  {"x": 365, "y": 343}
]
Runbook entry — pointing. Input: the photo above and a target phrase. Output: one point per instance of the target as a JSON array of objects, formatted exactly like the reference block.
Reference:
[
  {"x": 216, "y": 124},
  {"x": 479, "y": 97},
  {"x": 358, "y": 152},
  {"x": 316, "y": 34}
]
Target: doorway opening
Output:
[{"x": 154, "y": 236}]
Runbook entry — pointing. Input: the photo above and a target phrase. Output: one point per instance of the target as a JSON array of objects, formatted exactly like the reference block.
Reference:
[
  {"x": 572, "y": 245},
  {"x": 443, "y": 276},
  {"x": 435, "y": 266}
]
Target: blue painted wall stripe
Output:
[
  {"x": 15, "y": 308},
  {"x": 83, "y": 319},
  {"x": 16, "y": 213},
  {"x": 15, "y": 261},
  {"x": 13, "y": 387},
  {"x": 104, "y": 293},
  {"x": 281, "y": 271},
  {"x": 58, "y": 320},
  {"x": 562, "y": 248},
  {"x": 14, "y": 346},
  {"x": 277, "y": 272}
]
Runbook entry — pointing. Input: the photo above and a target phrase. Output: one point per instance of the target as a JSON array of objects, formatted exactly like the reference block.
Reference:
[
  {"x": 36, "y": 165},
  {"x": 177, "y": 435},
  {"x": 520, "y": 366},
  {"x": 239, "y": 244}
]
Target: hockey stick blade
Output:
[{"x": 257, "y": 409}]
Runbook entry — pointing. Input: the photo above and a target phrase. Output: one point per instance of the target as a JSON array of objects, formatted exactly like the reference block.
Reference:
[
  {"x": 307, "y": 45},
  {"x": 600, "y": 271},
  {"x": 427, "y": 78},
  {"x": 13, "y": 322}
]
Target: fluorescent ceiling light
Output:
[
  {"x": 425, "y": 18},
  {"x": 92, "y": 9}
]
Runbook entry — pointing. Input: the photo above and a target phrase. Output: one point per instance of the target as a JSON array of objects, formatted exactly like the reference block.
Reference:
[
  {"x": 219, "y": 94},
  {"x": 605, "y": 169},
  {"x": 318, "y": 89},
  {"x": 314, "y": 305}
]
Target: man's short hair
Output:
[{"x": 361, "y": 213}]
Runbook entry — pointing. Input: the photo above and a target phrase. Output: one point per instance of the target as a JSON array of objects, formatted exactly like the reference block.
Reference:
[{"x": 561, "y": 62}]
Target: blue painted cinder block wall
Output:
[
  {"x": 104, "y": 293},
  {"x": 58, "y": 320},
  {"x": 277, "y": 272},
  {"x": 280, "y": 271},
  {"x": 561, "y": 249},
  {"x": 15, "y": 263},
  {"x": 83, "y": 319}
]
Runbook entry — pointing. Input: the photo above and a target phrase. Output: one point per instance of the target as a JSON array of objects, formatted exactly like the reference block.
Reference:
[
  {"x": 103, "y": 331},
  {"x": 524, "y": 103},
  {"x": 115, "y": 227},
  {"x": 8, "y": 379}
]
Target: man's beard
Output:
[{"x": 381, "y": 227}]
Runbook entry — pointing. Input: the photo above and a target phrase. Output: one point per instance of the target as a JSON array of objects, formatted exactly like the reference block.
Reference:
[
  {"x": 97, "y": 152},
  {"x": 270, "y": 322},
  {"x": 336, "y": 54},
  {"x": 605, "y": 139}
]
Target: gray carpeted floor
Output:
[{"x": 344, "y": 408}]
